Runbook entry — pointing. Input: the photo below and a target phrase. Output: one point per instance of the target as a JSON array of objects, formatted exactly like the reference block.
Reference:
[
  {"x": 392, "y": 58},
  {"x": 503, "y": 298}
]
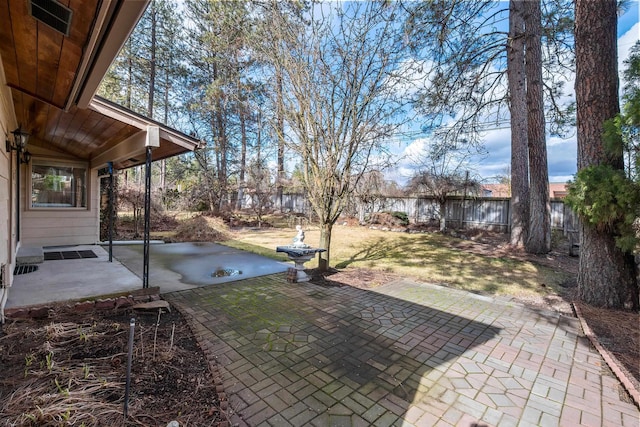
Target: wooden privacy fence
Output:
[{"x": 478, "y": 212}]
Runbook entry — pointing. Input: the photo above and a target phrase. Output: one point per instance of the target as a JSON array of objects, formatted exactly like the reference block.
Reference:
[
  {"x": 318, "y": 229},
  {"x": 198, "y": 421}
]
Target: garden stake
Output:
[
  {"x": 132, "y": 327},
  {"x": 173, "y": 330}
]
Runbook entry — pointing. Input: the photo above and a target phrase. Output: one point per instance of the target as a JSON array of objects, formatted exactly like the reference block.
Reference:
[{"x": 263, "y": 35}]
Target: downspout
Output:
[{"x": 18, "y": 162}]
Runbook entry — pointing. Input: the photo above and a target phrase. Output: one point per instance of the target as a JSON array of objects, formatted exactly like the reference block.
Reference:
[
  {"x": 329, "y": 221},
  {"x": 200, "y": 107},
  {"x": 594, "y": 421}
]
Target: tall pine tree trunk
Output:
[
  {"x": 518, "y": 109},
  {"x": 163, "y": 162},
  {"x": 222, "y": 150},
  {"x": 606, "y": 275},
  {"x": 280, "y": 132},
  {"x": 243, "y": 154},
  {"x": 152, "y": 62},
  {"x": 539, "y": 231},
  {"x": 129, "y": 86},
  {"x": 220, "y": 132}
]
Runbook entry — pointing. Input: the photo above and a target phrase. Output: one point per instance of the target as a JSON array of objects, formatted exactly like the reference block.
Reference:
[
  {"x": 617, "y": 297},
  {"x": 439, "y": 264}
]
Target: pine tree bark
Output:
[
  {"x": 280, "y": 136},
  {"x": 606, "y": 275},
  {"x": 152, "y": 62},
  {"x": 220, "y": 136},
  {"x": 539, "y": 231},
  {"x": 243, "y": 154},
  {"x": 518, "y": 108}
]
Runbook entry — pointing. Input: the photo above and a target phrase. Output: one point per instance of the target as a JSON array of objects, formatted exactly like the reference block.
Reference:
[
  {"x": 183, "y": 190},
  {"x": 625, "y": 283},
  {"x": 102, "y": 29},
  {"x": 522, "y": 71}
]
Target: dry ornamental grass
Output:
[{"x": 71, "y": 370}]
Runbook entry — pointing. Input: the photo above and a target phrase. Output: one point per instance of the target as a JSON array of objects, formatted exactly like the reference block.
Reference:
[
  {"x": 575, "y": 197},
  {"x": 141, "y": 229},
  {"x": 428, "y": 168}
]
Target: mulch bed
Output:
[
  {"x": 619, "y": 332},
  {"x": 70, "y": 369}
]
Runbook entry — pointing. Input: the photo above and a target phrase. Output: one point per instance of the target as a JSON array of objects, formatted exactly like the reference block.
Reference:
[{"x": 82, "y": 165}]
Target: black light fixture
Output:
[{"x": 20, "y": 138}]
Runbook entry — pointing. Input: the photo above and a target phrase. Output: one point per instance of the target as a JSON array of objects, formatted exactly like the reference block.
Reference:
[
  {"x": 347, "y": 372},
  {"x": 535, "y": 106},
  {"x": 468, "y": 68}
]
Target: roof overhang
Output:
[
  {"x": 132, "y": 150},
  {"x": 115, "y": 22},
  {"x": 53, "y": 77}
]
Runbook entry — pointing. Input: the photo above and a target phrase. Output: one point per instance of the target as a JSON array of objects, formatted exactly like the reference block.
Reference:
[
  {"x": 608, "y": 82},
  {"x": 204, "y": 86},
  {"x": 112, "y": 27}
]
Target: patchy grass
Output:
[
  {"x": 428, "y": 257},
  {"x": 257, "y": 249}
]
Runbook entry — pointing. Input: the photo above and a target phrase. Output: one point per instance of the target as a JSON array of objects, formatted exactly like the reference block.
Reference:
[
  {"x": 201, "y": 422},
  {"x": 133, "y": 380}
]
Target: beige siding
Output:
[
  {"x": 57, "y": 227},
  {"x": 7, "y": 234}
]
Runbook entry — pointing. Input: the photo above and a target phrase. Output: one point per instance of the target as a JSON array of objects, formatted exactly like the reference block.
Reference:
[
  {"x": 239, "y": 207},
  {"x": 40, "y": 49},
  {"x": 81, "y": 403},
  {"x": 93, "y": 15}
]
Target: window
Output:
[{"x": 58, "y": 185}]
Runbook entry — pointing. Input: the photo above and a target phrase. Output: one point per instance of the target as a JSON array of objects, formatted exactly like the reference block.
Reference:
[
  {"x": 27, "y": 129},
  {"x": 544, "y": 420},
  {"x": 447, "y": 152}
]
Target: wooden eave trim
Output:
[
  {"x": 111, "y": 36},
  {"x": 123, "y": 115},
  {"x": 102, "y": 17}
]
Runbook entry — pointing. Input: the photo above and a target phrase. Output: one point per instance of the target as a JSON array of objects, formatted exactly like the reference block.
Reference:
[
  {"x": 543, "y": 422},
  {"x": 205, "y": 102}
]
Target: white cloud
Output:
[
  {"x": 415, "y": 148},
  {"x": 625, "y": 43},
  {"x": 561, "y": 153}
]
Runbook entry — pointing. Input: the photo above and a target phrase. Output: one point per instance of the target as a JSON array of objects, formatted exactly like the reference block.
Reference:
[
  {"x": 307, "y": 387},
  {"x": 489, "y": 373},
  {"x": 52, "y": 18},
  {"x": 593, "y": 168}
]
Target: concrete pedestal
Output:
[
  {"x": 299, "y": 261},
  {"x": 299, "y": 256}
]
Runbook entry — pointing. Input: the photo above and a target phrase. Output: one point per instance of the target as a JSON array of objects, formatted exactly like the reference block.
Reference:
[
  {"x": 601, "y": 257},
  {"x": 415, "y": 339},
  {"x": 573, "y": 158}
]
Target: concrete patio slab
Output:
[
  {"x": 70, "y": 279},
  {"x": 179, "y": 266},
  {"x": 404, "y": 354},
  {"x": 175, "y": 266}
]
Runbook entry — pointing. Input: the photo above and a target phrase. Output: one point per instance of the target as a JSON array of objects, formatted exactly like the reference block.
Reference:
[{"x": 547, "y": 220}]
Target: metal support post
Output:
[
  {"x": 111, "y": 209},
  {"x": 147, "y": 219}
]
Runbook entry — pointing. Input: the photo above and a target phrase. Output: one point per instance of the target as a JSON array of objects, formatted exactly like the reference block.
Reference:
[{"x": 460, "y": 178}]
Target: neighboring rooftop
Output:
[{"x": 557, "y": 190}]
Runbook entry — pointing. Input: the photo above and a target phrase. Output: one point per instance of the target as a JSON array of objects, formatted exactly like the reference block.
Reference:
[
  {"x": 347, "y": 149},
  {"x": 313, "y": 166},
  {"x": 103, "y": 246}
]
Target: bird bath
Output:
[{"x": 299, "y": 252}]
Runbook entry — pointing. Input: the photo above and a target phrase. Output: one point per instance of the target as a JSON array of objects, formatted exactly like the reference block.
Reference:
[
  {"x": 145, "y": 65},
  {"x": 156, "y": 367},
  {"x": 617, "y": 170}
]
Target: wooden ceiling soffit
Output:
[
  {"x": 45, "y": 149},
  {"x": 64, "y": 70}
]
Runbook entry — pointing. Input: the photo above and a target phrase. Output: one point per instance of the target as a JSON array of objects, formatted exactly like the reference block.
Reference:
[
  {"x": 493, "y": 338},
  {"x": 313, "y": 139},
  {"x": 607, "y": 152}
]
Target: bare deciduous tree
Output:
[
  {"x": 443, "y": 173},
  {"x": 260, "y": 187},
  {"x": 342, "y": 97},
  {"x": 369, "y": 190}
]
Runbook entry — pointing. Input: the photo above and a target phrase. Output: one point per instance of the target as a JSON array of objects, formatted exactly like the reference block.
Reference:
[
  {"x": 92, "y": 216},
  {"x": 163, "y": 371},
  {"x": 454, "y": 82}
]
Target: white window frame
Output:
[{"x": 58, "y": 163}]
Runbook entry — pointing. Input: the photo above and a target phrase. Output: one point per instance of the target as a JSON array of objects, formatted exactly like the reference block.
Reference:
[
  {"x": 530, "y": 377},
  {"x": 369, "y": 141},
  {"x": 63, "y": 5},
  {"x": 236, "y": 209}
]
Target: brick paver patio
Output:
[{"x": 404, "y": 354}]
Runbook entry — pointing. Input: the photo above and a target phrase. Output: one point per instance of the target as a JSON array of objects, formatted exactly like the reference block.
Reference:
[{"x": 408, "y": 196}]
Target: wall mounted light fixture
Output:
[{"x": 20, "y": 139}]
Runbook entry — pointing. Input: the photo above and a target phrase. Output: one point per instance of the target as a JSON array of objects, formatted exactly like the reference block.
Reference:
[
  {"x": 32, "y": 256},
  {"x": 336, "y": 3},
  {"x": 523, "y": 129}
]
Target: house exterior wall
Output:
[
  {"x": 7, "y": 224},
  {"x": 59, "y": 227}
]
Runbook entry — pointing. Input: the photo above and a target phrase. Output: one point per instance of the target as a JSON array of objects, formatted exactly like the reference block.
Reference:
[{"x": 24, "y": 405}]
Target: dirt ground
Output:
[{"x": 70, "y": 368}]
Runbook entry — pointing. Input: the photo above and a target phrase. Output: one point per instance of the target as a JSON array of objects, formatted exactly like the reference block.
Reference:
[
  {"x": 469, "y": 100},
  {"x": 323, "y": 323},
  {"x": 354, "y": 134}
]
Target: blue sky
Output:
[{"x": 562, "y": 153}]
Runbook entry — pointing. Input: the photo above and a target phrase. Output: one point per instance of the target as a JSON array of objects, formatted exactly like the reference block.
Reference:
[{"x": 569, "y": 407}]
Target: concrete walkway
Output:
[{"x": 406, "y": 354}]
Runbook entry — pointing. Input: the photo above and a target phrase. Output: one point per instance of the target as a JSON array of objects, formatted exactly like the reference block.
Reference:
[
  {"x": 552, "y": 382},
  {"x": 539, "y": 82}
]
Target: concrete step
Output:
[{"x": 30, "y": 255}]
